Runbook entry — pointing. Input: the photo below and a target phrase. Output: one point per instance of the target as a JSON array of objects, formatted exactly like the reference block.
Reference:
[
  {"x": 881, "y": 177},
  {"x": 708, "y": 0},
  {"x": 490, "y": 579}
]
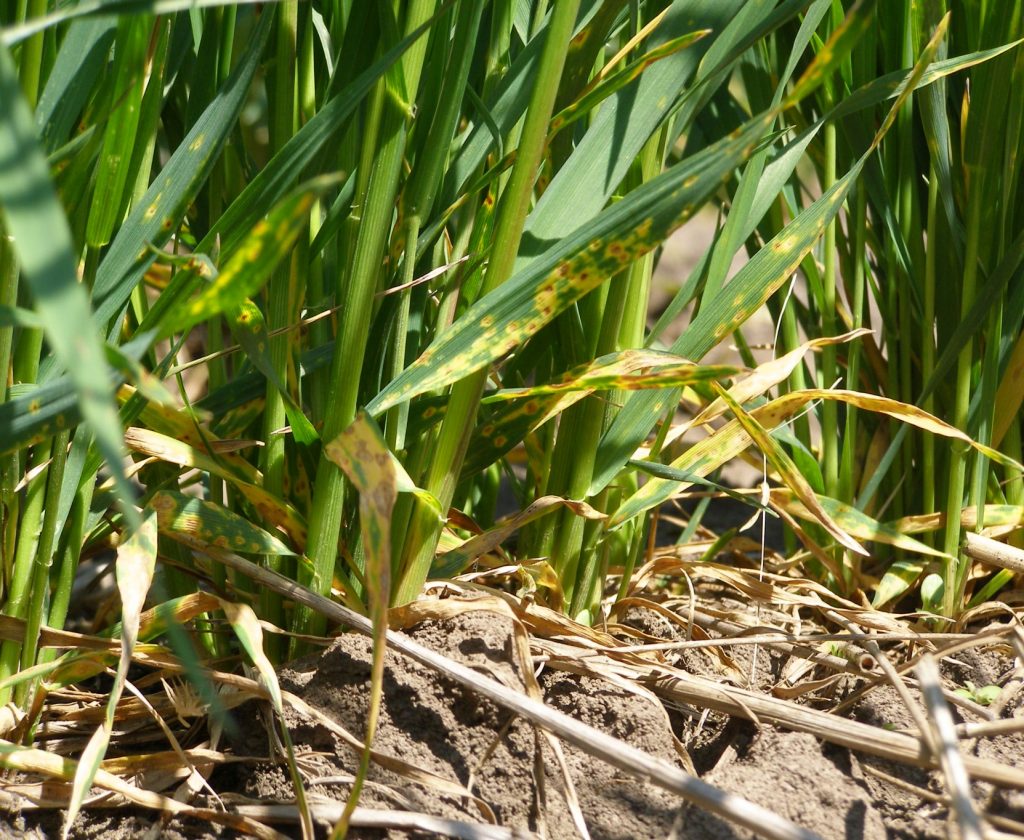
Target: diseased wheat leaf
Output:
[
  {"x": 753, "y": 284},
  {"x": 730, "y": 440},
  {"x": 154, "y": 217},
  {"x": 517, "y": 309},
  {"x": 207, "y": 525},
  {"x": 361, "y": 452}
]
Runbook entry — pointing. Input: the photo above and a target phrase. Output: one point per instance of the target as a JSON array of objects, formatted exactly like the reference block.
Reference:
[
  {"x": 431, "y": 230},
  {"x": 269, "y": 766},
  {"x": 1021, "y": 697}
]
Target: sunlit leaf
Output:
[
  {"x": 789, "y": 473},
  {"x": 517, "y": 309},
  {"x": 250, "y": 329},
  {"x": 455, "y": 561},
  {"x": 271, "y": 508},
  {"x": 617, "y": 372},
  {"x": 898, "y": 579},
  {"x": 855, "y": 522},
  {"x": 731, "y": 439},
  {"x": 205, "y": 524},
  {"x": 155, "y": 216},
  {"x": 252, "y": 263}
]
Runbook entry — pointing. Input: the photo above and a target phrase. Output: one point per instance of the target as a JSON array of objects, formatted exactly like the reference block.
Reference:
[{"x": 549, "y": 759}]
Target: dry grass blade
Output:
[
  {"x": 406, "y": 821},
  {"x": 388, "y": 762},
  {"x": 135, "y": 566},
  {"x": 679, "y": 687},
  {"x": 1015, "y": 828},
  {"x": 994, "y": 553},
  {"x": 858, "y": 662},
  {"x": 948, "y": 752},
  {"x": 760, "y": 380},
  {"x": 243, "y": 688},
  {"x": 459, "y": 558},
  {"x": 578, "y": 734},
  {"x": 1016, "y": 681},
  {"x": 29, "y": 760},
  {"x": 249, "y": 632},
  {"x": 894, "y": 679}
]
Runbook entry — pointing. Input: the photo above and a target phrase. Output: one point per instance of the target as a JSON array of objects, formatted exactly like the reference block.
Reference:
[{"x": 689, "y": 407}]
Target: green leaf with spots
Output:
[
  {"x": 503, "y": 426},
  {"x": 608, "y": 373},
  {"x": 112, "y": 189},
  {"x": 854, "y": 522},
  {"x": 628, "y": 119},
  {"x": 548, "y": 283},
  {"x": 517, "y": 309},
  {"x": 747, "y": 292},
  {"x": 35, "y": 412},
  {"x": 154, "y": 217},
  {"x": 592, "y": 97},
  {"x": 241, "y": 475},
  {"x": 729, "y": 441},
  {"x": 362, "y": 454},
  {"x": 207, "y": 525},
  {"x": 251, "y": 264},
  {"x": 859, "y": 18},
  {"x": 898, "y": 579},
  {"x": 281, "y": 172}
]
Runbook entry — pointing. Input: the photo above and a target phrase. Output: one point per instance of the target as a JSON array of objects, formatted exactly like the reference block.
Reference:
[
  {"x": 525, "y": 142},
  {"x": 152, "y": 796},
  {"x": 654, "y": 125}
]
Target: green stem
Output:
[
  {"x": 71, "y": 542},
  {"x": 456, "y": 428},
  {"x": 829, "y": 416},
  {"x": 358, "y": 293},
  {"x": 956, "y": 567},
  {"x": 28, "y": 540},
  {"x": 621, "y": 325},
  {"x": 40, "y": 588},
  {"x": 279, "y": 308},
  {"x": 848, "y": 472},
  {"x": 1014, "y": 487},
  {"x": 9, "y": 463},
  {"x": 31, "y": 64},
  {"x": 928, "y": 346},
  {"x": 908, "y": 178},
  {"x": 398, "y": 417}
]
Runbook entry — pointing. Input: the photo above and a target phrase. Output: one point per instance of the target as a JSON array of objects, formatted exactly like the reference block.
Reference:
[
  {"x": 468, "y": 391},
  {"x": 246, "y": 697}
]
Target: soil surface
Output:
[{"x": 470, "y": 743}]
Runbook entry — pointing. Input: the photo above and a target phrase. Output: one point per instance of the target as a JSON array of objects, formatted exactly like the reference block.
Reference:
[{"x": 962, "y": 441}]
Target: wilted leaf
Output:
[{"x": 135, "y": 564}]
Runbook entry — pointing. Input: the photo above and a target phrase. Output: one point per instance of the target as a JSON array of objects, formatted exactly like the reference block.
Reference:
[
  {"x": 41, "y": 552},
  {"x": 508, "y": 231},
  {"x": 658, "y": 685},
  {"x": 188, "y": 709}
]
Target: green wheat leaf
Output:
[{"x": 41, "y": 237}]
